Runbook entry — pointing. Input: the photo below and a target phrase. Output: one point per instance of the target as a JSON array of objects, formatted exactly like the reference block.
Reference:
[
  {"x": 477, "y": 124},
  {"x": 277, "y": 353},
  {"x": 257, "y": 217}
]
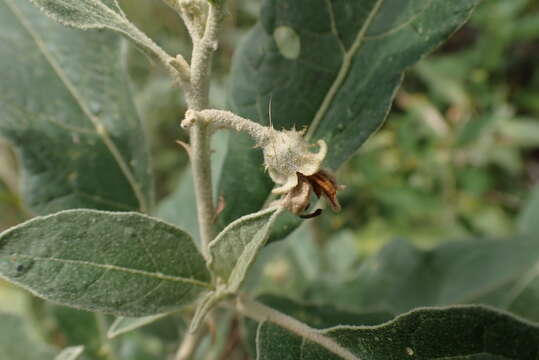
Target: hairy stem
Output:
[
  {"x": 177, "y": 67},
  {"x": 217, "y": 119},
  {"x": 262, "y": 313},
  {"x": 197, "y": 99},
  {"x": 189, "y": 345}
]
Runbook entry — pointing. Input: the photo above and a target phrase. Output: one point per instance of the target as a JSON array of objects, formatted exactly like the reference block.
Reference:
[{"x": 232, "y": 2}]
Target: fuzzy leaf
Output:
[
  {"x": 459, "y": 332},
  {"x": 234, "y": 249},
  {"x": 315, "y": 316},
  {"x": 66, "y": 106},
  {"x": 97, "y": 14},
  {"x": 121, "y": 263},
  {"x": 232, "y": 253},
  {"x": 85, "y": 14},
  {"x": 331, "y": 66},
  {"x": 501, "y": 273},
  {"x": 16, "y": 338}
]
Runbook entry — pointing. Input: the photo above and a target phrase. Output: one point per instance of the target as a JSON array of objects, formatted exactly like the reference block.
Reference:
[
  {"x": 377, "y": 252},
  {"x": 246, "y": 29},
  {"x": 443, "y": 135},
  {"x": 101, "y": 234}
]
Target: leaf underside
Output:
[
  {"x": 459, "y": 332},
  {"x": 85, "y": 14},
  {"x": 16, "y": 338},
  {"x": 65, "y": 105},
  {"x": 120, "y": 263}
]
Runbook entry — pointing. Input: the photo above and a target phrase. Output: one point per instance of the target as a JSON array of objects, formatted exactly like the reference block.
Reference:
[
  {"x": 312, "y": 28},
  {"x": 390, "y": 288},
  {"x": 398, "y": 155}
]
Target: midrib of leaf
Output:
[
  {"x": 96, "y": 121},
  {"x": 344, "y": 70},
  {"x": 109, "y": 267},
  {"x": 341, "y": 76},
  {"x": 313, "y": 335},
  {"x": 269, "y": 315}
]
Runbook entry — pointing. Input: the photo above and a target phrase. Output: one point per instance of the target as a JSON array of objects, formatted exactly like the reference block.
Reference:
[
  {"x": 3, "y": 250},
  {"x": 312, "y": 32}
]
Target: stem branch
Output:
[
  {"x": 218, "y": 119},
  {"x": 262, "y": 313},
  {"x": 189, "y": 345},
  {"x": 197, "y": 99}
]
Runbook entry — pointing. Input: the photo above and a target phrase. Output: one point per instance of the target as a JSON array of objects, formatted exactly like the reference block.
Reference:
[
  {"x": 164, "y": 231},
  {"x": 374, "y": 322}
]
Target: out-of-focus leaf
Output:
[
  {"x": 75, "y": 327},
  {"x": 333, "y": 67},
  {"x": 179, "y": 208},
  {"x": 528, "y": 220},
  {"x": 70, "y": 353},
  {"x": 122, "y": 263},
  {"x": 18, "y": 342},
  {"x": 458, "y": 332},
  {"x": 66, "y": 106},
  {"x": 502, "y": 273},
  {"x": 521, "y": 132}
]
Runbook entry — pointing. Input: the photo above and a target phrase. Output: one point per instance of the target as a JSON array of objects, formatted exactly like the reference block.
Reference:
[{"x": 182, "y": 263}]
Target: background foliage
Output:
[{"x": 457, "y": 159}]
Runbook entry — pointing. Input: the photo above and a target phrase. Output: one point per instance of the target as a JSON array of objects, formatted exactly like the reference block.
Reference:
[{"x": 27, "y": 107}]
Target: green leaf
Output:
[
  {"x": 66, "y": 106},
  {"x": 528, "y": 219},
  {"x": 459, "y": 332},
  {"x": 121, "y": 263},
  {"x": 123, "y": 325},
  {"x": 339, "y": 81},
  {"x": 16, "y": 339},
  {"x": 501, "y": 273},
  {"x": 234, "y": 249},
  {"x": 97, "y": 14},
  {"x": 316, "y": 316},
  {"x": 324, "y": 316},
  {"x": 85, "y": 14},
  {"x": 70, "y": 353},
  {"x": 232, "y": 253},
  {"x": 77, "y": 327},
  {"x": 299, "y": 267},
  {"x": 179, "y": 208}
]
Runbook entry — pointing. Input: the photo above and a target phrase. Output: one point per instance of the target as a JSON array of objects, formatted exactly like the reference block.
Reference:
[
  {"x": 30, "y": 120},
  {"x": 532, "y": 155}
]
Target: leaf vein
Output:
[
  {"x": 334, "y": 26},
  {"x": 155, "y": 275},
  {"x": 398, "y": 28},
  {"x": 344, "y": 70},
  {"x": 100, "y": 128}
]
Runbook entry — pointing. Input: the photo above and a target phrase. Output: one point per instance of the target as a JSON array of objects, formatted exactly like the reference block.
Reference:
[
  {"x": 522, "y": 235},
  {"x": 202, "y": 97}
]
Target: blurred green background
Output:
[{"x": 457, "y": 158}]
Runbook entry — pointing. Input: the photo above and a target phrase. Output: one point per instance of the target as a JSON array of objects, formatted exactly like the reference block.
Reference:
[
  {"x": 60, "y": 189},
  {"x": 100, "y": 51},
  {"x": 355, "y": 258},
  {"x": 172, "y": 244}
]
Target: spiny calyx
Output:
[{"x": 291, "y": 162}]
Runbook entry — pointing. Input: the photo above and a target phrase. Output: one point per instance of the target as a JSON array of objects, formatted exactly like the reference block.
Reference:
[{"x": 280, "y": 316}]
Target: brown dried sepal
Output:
[{"x": 322, "y": 183}]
